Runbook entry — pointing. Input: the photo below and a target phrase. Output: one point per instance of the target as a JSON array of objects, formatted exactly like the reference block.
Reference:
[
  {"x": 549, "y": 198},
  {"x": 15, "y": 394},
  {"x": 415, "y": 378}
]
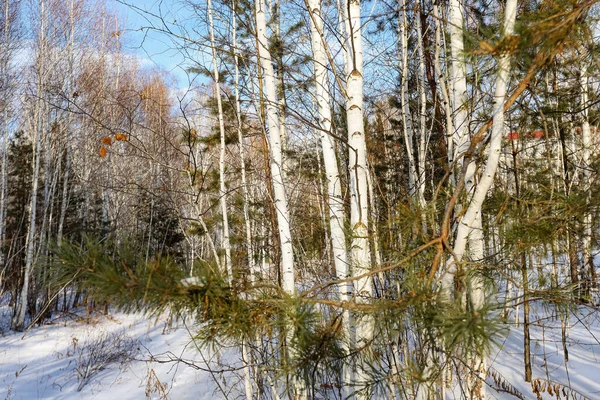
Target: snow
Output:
[
  {"x": 43, "y": 364},
  {"x": 580, "y": 375}
]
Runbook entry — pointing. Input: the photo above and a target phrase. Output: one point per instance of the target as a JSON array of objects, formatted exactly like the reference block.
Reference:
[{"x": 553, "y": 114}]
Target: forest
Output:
[{"x": 350, "y": 199}]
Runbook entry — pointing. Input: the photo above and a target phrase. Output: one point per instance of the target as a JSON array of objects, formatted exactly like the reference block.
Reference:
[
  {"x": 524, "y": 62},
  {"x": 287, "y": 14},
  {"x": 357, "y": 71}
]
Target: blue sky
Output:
[{"x": 152, "y": 47}]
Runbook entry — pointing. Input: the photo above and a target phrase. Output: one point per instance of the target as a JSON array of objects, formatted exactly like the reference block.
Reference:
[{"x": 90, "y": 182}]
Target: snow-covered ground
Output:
[
  {"x": 45, "y": 363},
  {"x": 578, "y": 378}
]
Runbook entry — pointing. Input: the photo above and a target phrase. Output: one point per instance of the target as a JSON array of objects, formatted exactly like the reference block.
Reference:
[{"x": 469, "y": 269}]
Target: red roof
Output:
[
  {"x": 534, "y": 135},
  {"x": 513, "y": 135},
  {"x": 537, "y": 134}
]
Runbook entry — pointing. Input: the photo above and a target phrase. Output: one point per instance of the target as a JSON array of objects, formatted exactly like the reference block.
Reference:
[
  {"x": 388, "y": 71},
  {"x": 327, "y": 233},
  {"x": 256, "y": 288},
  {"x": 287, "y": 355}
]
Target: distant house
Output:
[
  {"x": 539, "y": 134},
  {"x": 535, "y": 148}
]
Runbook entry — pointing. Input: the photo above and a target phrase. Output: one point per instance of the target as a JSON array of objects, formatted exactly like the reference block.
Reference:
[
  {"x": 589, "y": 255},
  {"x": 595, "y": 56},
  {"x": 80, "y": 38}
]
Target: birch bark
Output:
[
  {"x": 359, "y": 207},
  {"x": 359, "y": 203},
  {"x": 280, "y": 199},
  {"x": 473, "y": 212},
  {"x": 424, "y": 133},
  {"x": 407, "y": 128},
  {"x": 470, "y": 226},
  {"x": 332, "y": 175},
  {"x": 19, "y": 321},
  {"x": 442, "y": 79},
  {"x": 276, "y": 168},
  {"x": 254, "y": 270},
  {"x": 6, "y": 53},
  {"x": 222, "y": 186},
  {"x": 586, "y": 144},
  {"x": 334, "y": 189},
  {"x": 458, "y": 80}
]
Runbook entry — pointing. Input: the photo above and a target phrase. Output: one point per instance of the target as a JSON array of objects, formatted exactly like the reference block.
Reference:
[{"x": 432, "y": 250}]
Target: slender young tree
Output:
[
  {"x": 424, "y": 133},
  {"x": 470, "y": 228},
  {"x": 458, "y": 84},
  {"x": 222, "y": 186},
  {"x": 10, "y": 36},
  {"x": 588, "y": 259},
  {"x": 275, "y": 153},
  {"x": 360, "y": 252},
  {"x": 38, "y": 127},
  {"x": 407, "y": 126},
  {"x": 280, "y": 199},
  {"x": 70, "y": 91},
  {"x": 335, "y": 202}
]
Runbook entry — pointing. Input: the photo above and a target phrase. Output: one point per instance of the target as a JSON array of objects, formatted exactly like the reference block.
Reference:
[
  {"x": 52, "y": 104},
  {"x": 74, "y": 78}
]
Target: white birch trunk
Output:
[
  {"x": 276, "y": 166},
  {"x": 460, "y": 135},
  {"x": 21, "y": 310},
  {"x": 342, "y": 17},
  {"x": 470, "y": 226},
  {"x": 7, "y": 95},
  {"x": 334, "y": 184},
  {"x": 222, "y": 187},
  {"x": 457, "y": 69},
  {"x": 275, "y": 8},
  {"x": 332, "y": 175},
  {"x": 280, "y": 199},
  {"x": 442, "y": 78},
  {"x": 70, "y": 90},
  {"x": 586, "y": 144},
  {"x": 458, "y": 80},
  {"x": 254, "y": 269},
  {"x": 424, "y": 133},
  {"x": 359, "y": 207},
  {"x": 407, "y": 128},
  {"x": 474, "y": 209},
  {"x": 359, "y": 203}
]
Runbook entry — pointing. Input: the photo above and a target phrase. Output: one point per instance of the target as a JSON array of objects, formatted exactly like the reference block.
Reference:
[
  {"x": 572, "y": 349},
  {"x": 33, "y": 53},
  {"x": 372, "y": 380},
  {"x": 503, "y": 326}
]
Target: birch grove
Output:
[{"x": 356, "y": 200}]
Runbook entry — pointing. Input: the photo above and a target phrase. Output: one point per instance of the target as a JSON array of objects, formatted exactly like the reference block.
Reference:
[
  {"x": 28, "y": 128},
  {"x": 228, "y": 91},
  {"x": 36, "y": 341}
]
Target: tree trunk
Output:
[
  {"x": 526, "y": 334},
  {"x": 276, "y": 168},
  {"x": 279, "y": 195},
  {"x": 470, "y": 226},
  {"x": 424, "y": 133},
  {"x": 332, "y": 175},
  {"x": 407, "y": 128},
  {"x": 458, "y": 84},
  {"x": 19, "y": 321},
  {"x": 359, "y": 202},
  {"x": 222, "y": 187},
  {"x": 6, "y": 58},
  {"x": 588, "y": 259},
  {"x": 254, "y": 270}
]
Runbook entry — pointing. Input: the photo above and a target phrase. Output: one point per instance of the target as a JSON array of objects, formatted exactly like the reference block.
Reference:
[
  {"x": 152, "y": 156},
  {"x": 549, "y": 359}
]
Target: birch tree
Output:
[
  {"x": 275, "y": 153},
  {"x": 469, "y": 228},
  {"x": 38, "y": 125},
  {"x": 70, "y": 91},
  {"x": 280, "y": 200},
  {"x": 360, "y": 254},
  {"x": 458, "y": 86},
  {"x": 10, "y": 36},
  {"x": 588, "y": 259},
  {"x": 407, "y": 126},
  {"x": 332, "y": 175},
  {"x": 222, "y": 187}
]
